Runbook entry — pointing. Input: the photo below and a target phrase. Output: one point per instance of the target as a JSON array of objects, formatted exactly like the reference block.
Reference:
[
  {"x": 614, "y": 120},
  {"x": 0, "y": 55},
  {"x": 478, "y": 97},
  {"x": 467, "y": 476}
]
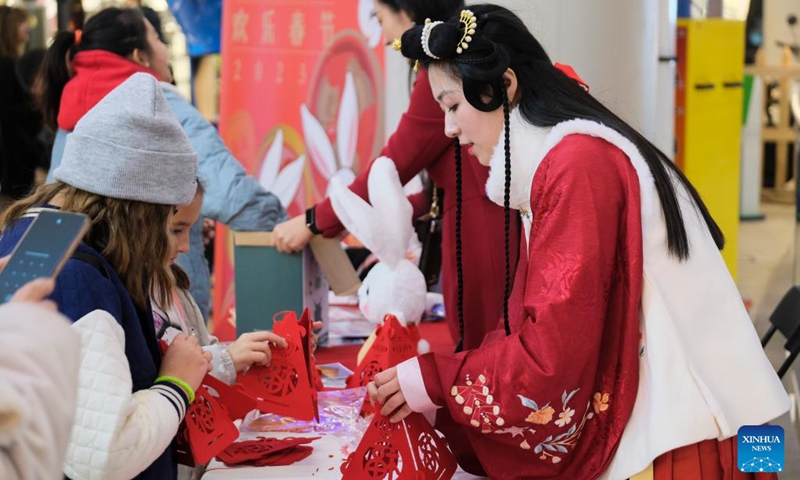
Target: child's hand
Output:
[
  {"x": 186, "y": 360},
  {"x": 253, "y": 348}
]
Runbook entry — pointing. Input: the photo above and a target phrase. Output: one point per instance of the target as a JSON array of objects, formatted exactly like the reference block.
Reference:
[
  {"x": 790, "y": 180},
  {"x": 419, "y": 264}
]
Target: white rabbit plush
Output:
[{"x": 395, "y": 285}]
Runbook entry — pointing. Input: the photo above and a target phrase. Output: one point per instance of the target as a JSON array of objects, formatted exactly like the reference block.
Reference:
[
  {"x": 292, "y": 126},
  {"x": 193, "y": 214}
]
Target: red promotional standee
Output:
[{"x": 301, "y": 101}]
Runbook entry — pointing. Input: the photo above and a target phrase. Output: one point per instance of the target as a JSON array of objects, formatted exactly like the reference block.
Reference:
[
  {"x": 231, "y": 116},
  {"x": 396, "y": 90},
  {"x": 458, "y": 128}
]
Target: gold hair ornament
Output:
[{"x": 469, "y": 22}]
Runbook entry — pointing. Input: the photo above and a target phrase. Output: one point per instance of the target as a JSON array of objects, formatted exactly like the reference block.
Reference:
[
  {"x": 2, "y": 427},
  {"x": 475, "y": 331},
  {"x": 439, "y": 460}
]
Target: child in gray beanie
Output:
[
  {"x": 132, "y": 148},
  {"x": 127, "y": 165}
]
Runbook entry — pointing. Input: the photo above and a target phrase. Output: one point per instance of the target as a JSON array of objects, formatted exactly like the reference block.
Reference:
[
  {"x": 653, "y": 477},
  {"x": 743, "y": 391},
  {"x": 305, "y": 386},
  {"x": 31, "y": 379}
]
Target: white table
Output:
[{"x": 322, "y": 464}]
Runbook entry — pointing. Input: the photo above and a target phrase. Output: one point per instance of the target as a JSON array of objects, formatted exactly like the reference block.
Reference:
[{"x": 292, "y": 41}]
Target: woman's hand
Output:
[
  {"x": 186, "y": 360},
  {"x": 253, "y": 348},
  {"x": 385, "y": 389},
  {"x": 292, "y": 235}
]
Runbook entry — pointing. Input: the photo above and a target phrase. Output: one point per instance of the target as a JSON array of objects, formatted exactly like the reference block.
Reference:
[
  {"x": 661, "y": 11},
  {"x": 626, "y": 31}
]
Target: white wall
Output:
[
  {"x": 612, "y": 45},
  {"x": 397, "y": 88}
]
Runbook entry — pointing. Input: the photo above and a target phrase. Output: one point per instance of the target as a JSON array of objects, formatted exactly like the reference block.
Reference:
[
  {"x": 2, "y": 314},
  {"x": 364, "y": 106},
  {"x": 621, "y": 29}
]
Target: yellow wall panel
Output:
[{"x": 711, "y": 71}]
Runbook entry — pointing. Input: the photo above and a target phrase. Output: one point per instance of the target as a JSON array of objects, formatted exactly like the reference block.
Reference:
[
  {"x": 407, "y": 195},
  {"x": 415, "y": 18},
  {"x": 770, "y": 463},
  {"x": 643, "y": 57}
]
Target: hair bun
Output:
[
  {"x": 442, "y": 42},
  {"x": 411, "y": 43},
  {"x": 444, "y": 39}
]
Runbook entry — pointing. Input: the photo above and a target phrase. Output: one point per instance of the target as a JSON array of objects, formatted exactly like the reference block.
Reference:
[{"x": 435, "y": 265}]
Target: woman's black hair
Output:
[
  {"x": 546, "y": 96},
  {"x": 419, "y": 10},
  {"x": 116, "y": 30},
  {"x": 459, "y": 245}
]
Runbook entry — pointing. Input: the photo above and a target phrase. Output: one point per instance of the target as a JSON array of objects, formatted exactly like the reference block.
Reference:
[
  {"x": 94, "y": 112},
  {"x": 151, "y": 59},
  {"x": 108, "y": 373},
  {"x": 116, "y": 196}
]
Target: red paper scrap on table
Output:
[{"x": 267, "y": 451}]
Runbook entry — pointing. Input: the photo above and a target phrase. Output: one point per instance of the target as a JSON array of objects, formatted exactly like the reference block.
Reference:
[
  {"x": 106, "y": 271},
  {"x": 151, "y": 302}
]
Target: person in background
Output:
[
  {"x": 625, "y": 343},
  {"x": 20, "y": 122},
  {"x": 127, "y": 165},
  {"x": 473, "y": 295},
  {"x": 81, "y": 68},
  {"x": 28, "y": 67}
]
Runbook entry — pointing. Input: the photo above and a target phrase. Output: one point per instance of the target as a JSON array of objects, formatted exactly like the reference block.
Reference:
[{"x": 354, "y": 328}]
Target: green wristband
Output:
[{"x": 177, "y": 381}]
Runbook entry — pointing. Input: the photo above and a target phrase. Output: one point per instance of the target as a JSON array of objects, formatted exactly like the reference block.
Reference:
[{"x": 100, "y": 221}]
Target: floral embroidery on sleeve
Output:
[
  {"x": 485, "y": 413},
  {"x": 478, "y": 404},
  {"x": 554, "y": 446}
]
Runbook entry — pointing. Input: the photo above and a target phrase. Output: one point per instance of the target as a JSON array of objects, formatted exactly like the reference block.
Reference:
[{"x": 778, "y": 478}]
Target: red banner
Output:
[{"x": 301, "y": 102}]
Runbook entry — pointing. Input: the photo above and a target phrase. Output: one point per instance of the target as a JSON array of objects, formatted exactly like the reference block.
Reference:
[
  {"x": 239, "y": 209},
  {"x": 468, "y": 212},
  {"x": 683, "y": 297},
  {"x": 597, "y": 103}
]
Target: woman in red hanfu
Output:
[{"x": 624, "y": 341}]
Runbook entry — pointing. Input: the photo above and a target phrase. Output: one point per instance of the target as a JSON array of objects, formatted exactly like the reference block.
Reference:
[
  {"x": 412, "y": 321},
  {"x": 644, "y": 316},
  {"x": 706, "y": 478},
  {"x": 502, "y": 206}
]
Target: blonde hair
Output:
[{"x": 132, "y": 236}]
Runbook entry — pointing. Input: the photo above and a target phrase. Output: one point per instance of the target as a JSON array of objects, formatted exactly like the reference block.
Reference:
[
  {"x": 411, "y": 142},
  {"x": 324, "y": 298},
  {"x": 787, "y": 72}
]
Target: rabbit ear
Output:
[
  {"x": 358, "y": 216},
  {"x": 288, "y": 181},
  {"x": 272, "y": 162},
  {"x": 392, "y": 207},
  {"x": 318, "y": 144},
  {"x": 347, "y": 125}
]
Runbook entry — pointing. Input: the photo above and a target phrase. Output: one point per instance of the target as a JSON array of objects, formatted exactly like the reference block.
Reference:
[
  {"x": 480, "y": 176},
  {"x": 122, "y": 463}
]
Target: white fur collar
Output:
[
  {"x": 530, "y": 144},
  {"x": 526, "y": 153}
]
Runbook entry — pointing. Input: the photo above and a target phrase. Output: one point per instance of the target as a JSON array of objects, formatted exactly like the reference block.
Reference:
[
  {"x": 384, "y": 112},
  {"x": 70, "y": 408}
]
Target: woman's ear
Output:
[
  {"x": 137, "y": 56},
  {"x": 511, "y": 84}
]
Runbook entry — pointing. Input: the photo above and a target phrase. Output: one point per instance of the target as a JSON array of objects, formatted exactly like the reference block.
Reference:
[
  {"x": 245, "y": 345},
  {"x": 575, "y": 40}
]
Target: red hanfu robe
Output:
[
  {"x": 583, "y": 387},
  {"x": 552, "y": 399}
]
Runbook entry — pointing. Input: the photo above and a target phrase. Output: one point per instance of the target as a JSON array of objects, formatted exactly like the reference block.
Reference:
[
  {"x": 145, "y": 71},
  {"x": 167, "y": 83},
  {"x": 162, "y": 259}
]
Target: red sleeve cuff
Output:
[
  {"x": 419, "y": 381},
  {"x": 326, "y": 219}
]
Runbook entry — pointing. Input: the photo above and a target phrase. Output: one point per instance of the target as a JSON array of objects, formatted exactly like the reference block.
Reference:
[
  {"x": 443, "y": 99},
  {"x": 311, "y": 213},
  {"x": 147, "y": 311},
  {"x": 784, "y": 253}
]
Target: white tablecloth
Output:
[{"x": 322, "y": 464}]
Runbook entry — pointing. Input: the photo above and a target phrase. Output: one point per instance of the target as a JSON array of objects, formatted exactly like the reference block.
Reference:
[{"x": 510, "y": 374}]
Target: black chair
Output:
[{"x": 786, "y": 319}]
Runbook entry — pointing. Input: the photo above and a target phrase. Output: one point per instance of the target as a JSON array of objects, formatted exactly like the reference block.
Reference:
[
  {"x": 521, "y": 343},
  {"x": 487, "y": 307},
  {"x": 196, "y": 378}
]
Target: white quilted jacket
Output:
[
  {"x": 38, "y": 389},
  {"x": 117, "y": 433}
]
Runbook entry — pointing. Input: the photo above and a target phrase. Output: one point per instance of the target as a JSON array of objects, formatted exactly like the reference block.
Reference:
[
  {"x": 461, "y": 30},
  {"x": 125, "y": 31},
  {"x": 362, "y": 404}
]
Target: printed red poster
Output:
[{"x": 301, "y": 102}]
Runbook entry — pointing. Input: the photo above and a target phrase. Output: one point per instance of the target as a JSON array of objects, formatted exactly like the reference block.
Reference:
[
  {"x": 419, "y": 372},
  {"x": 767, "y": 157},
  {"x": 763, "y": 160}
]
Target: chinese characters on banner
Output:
[{"x": 301, "y": 101}]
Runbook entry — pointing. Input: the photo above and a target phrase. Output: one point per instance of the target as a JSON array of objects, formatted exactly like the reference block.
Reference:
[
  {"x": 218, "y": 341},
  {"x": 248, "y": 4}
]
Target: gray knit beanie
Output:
[{"x": 130, "y": 146}]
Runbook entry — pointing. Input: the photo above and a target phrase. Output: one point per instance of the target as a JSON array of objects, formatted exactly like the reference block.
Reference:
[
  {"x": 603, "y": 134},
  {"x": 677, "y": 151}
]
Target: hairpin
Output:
[
  {"x": 397, "y": 45},
  {"x": 470, "y": 22},
  {"x": 426, "y": 37}
]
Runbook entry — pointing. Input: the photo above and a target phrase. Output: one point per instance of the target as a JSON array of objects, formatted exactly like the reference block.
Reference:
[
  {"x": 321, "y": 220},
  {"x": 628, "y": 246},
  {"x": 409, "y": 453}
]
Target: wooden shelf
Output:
[{"x": 781, "y": 134}]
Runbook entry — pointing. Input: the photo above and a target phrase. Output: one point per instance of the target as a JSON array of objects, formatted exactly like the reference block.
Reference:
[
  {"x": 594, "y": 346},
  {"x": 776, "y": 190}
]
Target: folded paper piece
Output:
[
  {"x": 407, "y": 450},
  {"x": 206, "y": 430},
  {"x": 393, "y": 344},
  {"x": 267, "y": 451},
  {"x": 287, "y": 385},
  {"x": 237, "y": 402}
]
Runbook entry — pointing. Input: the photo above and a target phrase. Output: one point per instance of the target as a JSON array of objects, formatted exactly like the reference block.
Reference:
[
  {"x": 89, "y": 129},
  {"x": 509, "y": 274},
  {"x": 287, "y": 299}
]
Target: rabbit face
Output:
[{"x": 400, "y": 291}]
